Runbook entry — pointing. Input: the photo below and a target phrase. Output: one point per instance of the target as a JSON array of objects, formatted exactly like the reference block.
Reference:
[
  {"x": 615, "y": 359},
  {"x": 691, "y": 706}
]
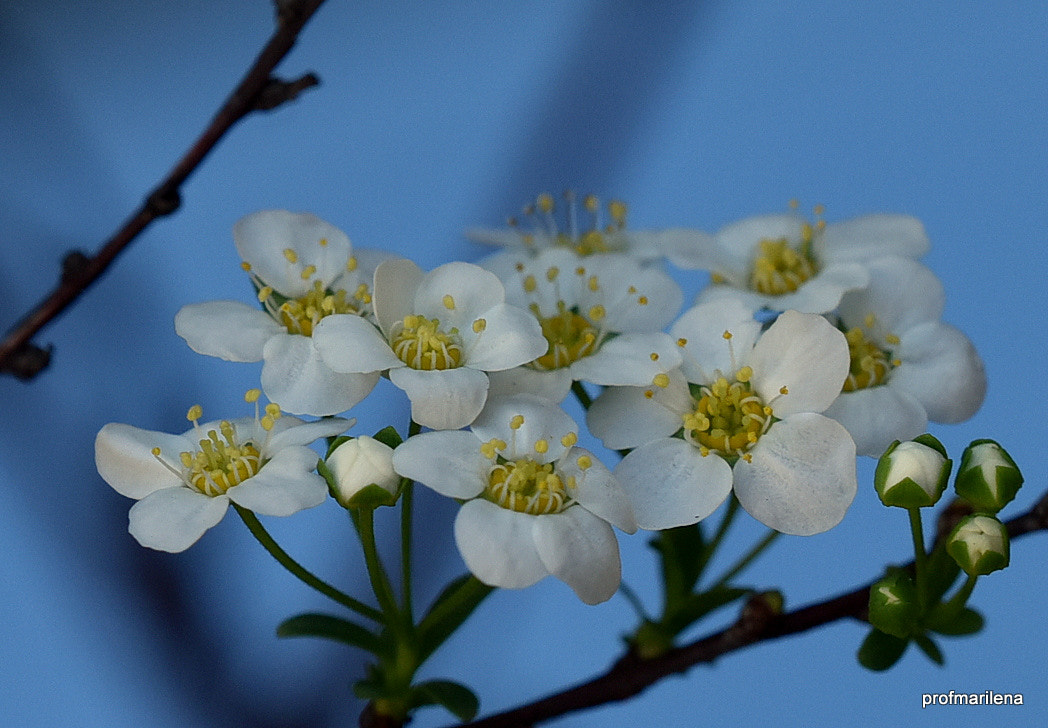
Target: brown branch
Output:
[
  {"x": 257, "y": 90},
  {"x": 757, "y": 623}
]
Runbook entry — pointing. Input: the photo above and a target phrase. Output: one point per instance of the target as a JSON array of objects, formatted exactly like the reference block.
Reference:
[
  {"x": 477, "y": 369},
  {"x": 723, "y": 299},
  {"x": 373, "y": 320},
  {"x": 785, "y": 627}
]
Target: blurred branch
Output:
[
  {"x": 758, "y": 622},
  {"x": 257, "y": 90}
]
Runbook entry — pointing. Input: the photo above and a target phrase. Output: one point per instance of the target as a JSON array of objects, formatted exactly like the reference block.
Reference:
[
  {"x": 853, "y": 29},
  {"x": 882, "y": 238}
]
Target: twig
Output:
[
  {"x": 257, "y": 90},
  {"x": 757, "y": 623}
]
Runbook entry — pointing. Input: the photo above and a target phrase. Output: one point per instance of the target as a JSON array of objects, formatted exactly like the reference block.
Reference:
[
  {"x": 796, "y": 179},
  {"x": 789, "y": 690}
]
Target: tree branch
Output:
[
  {"x": 758, "y": 622},
  {"x": 257, "y": 90}
]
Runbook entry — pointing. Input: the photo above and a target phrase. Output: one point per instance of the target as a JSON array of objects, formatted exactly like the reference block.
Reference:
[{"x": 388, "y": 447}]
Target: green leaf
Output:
[
  {"x": 681, "y": 550},
  {"x": 450, "y": 609},
  {"x": 458, "y": 699},
  {"x": 943, "y": 621},
  {"x": 696, "y": 606},
  {"x": 332, "y": 628},
  {"x": 389, "y": 436},
  {"x": 929, "y": 648},
  {"x": 879, "y": 651}
]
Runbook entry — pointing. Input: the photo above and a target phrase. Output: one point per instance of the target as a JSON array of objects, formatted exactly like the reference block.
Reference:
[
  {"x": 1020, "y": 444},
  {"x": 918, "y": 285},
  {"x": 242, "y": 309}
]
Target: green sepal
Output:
[
  {"x": 893, "y": 607},
  {"x": 971, "y": 484},
  {"x": 448, "y": 611},
  {"x": 389, "y": 436},
  {"x": 931, "y": 441},
  {"x": 459, "y": 700},
  {"x": 372, "y": 496},
  {"x": 333, "y": 628},
  {"x": 879, "y": 651},
  {"x": 681, "y": 552},
  {"x": 929, "y": 648},
  {"x": 696, "y": 606},
  {"x": 947, "y": 621}
]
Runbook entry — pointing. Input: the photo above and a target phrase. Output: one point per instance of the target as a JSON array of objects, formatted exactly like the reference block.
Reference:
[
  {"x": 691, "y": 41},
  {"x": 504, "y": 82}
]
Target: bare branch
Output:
[{"x": 257, "y": 90}]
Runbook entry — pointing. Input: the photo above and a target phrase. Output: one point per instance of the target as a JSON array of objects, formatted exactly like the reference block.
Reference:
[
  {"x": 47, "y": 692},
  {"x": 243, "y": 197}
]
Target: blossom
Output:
[
  {"x": 358, "y": 463},
  {"x": 907, "y": 367},
  {"x": 305, "y": 270},
  {"x": 912, "y": 474},
  {"x": 601, "y": 317},
  {"x": 979, "y": 545},
  {"x": 438, "y": 335},
  {"x": 741, "y": 413},
  {"x": 536, "y": 504},
  {"x": 591, "y": 237},
  {"x": 185, "y": 483},
  {"x": 782, "y": 262},
  {"x": 988, "y": 478}
]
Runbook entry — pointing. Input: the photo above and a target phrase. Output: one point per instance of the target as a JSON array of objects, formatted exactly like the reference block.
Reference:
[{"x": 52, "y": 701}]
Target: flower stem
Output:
[
  {"x": 365, "y": 522},
  {"x": 958, "y": 600},
  {"x": 747, "y": 559},
  {"x": 407, "y": 499},
  {"x": 920, "y": 556},
  {"x": 296, "y": 569}
]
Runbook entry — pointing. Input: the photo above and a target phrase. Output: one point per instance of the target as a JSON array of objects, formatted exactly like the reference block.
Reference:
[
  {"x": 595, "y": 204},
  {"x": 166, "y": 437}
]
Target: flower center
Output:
[
  {"x": 728, "y": 417},
  {"x": 570, "y": 336},
  {"x": 421, "y": 344},
  {"x": 870, "y": 364},
  {"x": 221, "y": 462},
  {"x": 597, "y": 237},
  {"x": 301, "y": 315},
  {"x": 779, "y": 268},
  {"x": 526, "y": 486}
]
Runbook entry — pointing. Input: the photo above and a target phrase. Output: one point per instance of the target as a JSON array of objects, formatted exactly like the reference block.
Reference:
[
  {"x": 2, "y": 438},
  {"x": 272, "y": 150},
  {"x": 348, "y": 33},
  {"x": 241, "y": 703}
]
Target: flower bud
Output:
[
  {"x": 912, "y": 474},
  {"x": 988, "y": 477},
  {"x": 893, "y": 604},
  {"x": 979, "y": 545},
  {"x": 362, "y": 474}
]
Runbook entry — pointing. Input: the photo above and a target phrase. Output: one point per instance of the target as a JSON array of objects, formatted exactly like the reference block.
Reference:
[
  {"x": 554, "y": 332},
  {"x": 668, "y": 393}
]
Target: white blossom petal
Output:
[
  {"x": 627, "y": 360},
  {"x": 393, "y": 293},
  {"x": 124, "y": 458},
  {"x": 872, "y": 236},
  {"x": 473, "y": 291},
  {"x": 510, "y": 337},
  {"x": 286, "y": 484},
  {"x": 941, "y": 368},
  {"x": 289, "y": 431},
  {"x": 624, "y": 417},
  {"x": 443, "y": 399},
  {"x": 801, "y": 479},
  {"x": 580, "y": 549},
  {"x": 449, "y": 462},
  {"x": 706, "y": 351},
  {"x": 597, "y": 490},
  {"x": 623, "y": 283},
  {"x": 877, "y": 416},
  {"x": 297, "y": 378},
  {"x": 670, "y": 484},
  {"x": 497, "y": 545},
  {"x": 352, "y": 344},
  {"x": 539, "y": 420},
  {"x": 902, "y": 294},
  {"x": 553, "y": 384},
  {"x": 173, "y": 519},
  {"x": 230, "y": 330}
]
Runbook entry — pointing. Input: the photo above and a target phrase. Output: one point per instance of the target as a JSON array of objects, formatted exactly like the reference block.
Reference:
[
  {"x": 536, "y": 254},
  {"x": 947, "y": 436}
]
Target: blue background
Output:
[{"x": 434, "y": 117}]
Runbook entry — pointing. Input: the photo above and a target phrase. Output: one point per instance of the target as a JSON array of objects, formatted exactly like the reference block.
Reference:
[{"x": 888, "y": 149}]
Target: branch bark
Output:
[
  {"x": 631, "y": 674},
  {"x": 257, "y": 90}
]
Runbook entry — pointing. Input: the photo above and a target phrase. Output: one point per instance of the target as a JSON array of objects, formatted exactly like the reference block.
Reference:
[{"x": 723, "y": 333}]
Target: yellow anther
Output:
[
  {"x": 596, "y": 313},
  {"x": 631, "y": 290},
  {"x": 530, "y": 284},
  {"x": 593, "y": 283},
  {"x": 551, "y": 273},
  {"x": 570, "y": 439},
  {"x": 617, "y": 210},
  {"x": 682, "y": 342},
  {"x": 541, "y": 446},
  {"x": 869, "y": 321},
  {"x": 322, "y": 242},
  {"x": 704, "y": 451},
  {"x": 591, "y": 203},
  {"x": 784, "y": 390},
  {"x": 267, "y": 423},
  {"x": 308, "y": 272},
  {"x": 649, "y": 393},
  {"x": 264, "y": 293},
  {"x": 518, "y": 266},
  {"x": 661, "y": 380},
  {"x": 487, "y": 449},
  {"x": 517, "y": 422},
  {"x": 896, "y": 362},
  {"x": 449, "y": 302},
  {"x": 273, "y": 410},
  {"x": 246, "y": 266},
  {"x": 747, "y": 457},
  {"x": 580, "y": 271},
  {"x": 351, "y": 264},
  {"x": 643, "y": 300},
  {"x": 156, "y": 452},
  {"x": 195, "y": 413},
  {"x": 479, "y": 325},
  {"x": 290, "y": 255},
  {"x": 544, "y": 202},
  {"x": 654, "y": 356},
  {"x": 726, "y": 335},
  {"x": 892, "y": 339},
  {"x": 252, "y": 395},
  {"x": 585, "y": 462},
  {"x": 744, "y": 374},
  {"x": 819, "y": 210}
]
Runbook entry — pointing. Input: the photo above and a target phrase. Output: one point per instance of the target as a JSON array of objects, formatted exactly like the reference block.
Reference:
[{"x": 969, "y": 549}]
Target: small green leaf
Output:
[
  {"x": 929, "y": 648},
  {"x": 681, "y": 550},
  {"x": 450, "y": 609},
  {"x": 332, "y": 628},
  {"x": 879, "y": 651},
  {"x": 697, "y": 606},
  {"x": 389, "y": 436},
  {"x": 943, "y": 621},
  {"x": 458, "y": 699}
]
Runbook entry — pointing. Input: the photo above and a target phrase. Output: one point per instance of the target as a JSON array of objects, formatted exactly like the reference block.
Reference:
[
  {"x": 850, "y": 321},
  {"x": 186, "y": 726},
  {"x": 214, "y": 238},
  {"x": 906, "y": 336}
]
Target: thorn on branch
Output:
[
  {"x": 277, "y": 91},
  {"x": 26, "y": 361}
]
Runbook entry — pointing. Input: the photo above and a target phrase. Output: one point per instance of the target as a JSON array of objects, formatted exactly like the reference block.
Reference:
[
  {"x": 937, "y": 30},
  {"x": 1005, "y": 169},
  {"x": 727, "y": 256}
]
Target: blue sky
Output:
[{"x": 432, "y": 118}]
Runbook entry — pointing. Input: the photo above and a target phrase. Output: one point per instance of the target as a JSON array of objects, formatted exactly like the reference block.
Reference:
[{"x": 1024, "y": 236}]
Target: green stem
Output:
[
  {"x": 958, "y": 600},
  {"x": 920, "y": 556},
  {"x": 296, "y": 569},
  {"x": 365, "y": 522},
  {"x": 406, "y": 513},
  {"x": 747, "y": 559},
  {"x": 721, "y": 532},
  {"x": 581, "y": 394},
  {"x": 634, "y": 599}
]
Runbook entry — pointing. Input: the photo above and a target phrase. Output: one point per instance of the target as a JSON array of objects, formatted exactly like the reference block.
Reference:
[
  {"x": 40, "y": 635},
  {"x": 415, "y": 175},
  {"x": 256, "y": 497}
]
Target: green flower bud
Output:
[
  {"x": 912, "y": 474},
  {"x": 979, "y": 545},
  {"x": 988, "y": 477},
  {"x": 894, "y": 608},
  {"x": 361, "y": 473}
]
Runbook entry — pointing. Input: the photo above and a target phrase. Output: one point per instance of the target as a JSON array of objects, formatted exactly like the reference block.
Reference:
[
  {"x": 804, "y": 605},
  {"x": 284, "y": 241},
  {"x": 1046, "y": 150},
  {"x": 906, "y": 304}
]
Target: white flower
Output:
[
  {"x": 358, "y": 463},
  {"x": 535, "y": 503},
  {"x": 907, "y": 367},
  {"x": 979, "y": 545},
  {"x": 438, "y": 335},
  {"x": 305, "y": 270},
  {"x": 590, "y": 237},
  {"x": 782, "y": 262},
  {"x": 184, "y": 483},
  {"x": 745, "y": 406},
  {"x": 601, "y": 316}
]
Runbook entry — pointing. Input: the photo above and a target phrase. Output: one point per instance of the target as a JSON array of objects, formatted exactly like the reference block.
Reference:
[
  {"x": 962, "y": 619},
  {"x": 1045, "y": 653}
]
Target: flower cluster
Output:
[{"x": 813, "y": 342}]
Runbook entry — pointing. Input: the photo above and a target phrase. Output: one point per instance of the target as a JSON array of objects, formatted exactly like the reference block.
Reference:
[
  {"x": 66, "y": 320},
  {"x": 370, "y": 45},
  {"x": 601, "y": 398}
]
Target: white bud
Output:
[
  {"x": 358, "y": 463},
  {"x": 912, "y": 474}
]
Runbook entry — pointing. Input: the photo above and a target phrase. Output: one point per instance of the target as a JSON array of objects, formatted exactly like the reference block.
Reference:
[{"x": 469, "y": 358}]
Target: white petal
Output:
[
  {"x": 472, "y": 290},
  {"x": 449, "y": 462},
  {"x": 262, "y": 238},
  {"x": 295, "y": 377},
  {"x": 691, "y": 249},
  {"x": 823, "y": 292},
  {"x": 173, "y": 519},
  {"x": 497, "y": 545},
  {"x": 872, "y": 236},
  {"x": 285, "y": 485},
  {"x": 627, "y": 360},
  {"x": 507, "y": 237},
  {"x": 443, "y": 399},
  {"x": 941, "y": 368},
  {"x": 124, "y": 458},
  {"x": 670, "y": 483},
  {"x": 297, "y": 432},
  {"x": 805, "y": 354},
  {"x": 902, "y": 294},
  {"x": 511, "y": 337},
  {"x": 706, "y": 351},
  {"x": 352, "y": 344},
  {"x": 623, "y": 417},
  {"x": 580, "y": 550},
  {"x": 393, "y": 293},
  {"x": 230, "y": 330},
  {"x": 540, "y": 420},
  {"x": 623, "y": 283},
  {"x": 877, "y": 416},
  {"x": 598, "y": 491},
  {"x": 802, "y": 476},
  {"x": 553, "y": 385}
]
